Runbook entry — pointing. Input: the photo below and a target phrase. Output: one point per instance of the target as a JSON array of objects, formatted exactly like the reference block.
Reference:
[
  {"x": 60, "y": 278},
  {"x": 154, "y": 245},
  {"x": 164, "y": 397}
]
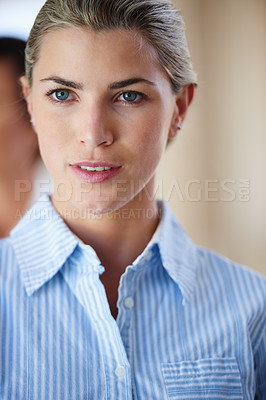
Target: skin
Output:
[
  {"x": 18, "y": 148},
  {"x": 96, "y": 123},
  {"x": 15, "y": 129}
]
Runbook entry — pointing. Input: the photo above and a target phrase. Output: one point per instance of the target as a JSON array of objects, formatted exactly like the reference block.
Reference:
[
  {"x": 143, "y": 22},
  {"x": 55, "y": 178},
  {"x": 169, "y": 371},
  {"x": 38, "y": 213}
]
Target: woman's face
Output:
[{"x": 101, "y": 100}]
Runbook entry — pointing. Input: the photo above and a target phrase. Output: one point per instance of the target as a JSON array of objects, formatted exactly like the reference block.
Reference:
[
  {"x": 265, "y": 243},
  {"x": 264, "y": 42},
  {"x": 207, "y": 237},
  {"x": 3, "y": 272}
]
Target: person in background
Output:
[{"x": 19, "y": 153}]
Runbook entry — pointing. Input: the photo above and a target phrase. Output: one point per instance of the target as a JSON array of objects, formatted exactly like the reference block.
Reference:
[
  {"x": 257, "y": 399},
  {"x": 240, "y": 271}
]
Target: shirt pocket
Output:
[{"x": 212, "y": 378}]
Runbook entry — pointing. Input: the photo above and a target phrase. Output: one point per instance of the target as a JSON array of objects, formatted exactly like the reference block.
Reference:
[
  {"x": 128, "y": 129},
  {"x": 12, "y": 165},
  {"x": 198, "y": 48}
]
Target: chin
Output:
[{"x": 98, "y": 208}]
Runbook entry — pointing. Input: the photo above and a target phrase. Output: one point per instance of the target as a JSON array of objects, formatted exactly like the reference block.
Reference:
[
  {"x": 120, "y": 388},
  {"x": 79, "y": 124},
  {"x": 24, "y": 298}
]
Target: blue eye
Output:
[
  {"x": 130, "y": 96},
  {"x": 61, "y": 94}
]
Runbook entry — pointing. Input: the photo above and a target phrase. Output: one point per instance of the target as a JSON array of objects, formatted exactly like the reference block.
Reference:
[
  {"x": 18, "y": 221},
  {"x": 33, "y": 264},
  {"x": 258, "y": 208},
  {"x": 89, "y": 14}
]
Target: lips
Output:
[{"x": 95, "y": 172}]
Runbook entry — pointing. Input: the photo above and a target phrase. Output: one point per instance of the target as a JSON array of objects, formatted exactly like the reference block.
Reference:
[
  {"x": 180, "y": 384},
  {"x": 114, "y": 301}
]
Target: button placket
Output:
[{"x": 125, "y": 316}]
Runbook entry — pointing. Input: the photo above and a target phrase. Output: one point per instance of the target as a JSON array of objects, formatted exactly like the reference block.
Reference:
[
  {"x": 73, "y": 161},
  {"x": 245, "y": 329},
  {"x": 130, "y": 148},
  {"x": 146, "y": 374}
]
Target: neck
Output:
[{"x": 118, "y": 237}]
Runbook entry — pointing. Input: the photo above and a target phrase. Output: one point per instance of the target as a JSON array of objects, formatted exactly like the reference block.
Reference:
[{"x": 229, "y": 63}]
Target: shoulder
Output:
[
  {"x": 207, "y": 264},
  {"x": 226, "y": 268},
  {"x": 210, "y": 273},
  {"x": 244, "y": 288}
]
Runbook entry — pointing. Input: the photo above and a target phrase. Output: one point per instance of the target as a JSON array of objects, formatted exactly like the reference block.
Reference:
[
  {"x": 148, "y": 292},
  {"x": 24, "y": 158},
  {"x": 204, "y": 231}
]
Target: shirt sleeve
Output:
[{"x": 260, "y": 369}]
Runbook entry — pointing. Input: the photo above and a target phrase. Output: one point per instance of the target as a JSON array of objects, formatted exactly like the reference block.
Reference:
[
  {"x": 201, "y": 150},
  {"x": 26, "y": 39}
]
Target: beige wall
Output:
[{"x": 214, "y": 174}]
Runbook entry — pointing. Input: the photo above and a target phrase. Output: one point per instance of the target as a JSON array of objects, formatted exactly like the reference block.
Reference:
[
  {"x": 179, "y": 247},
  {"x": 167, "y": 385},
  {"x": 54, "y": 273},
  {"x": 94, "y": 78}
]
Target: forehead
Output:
[{"x": 82, "y": 51}]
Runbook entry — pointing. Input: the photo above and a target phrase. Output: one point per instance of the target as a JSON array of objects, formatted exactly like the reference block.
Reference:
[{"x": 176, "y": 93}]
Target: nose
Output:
[{"x": 95, "y": 126}]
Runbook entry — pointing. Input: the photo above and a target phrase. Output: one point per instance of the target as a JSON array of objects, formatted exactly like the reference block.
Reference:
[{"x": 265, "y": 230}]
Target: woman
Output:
[{"x": 103, "y": 294}]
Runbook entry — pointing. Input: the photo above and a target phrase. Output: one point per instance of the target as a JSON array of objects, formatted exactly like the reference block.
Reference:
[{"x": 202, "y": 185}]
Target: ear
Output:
[
  {"x": 183, "y": 101},
  {"x": 27, "y": 94}
]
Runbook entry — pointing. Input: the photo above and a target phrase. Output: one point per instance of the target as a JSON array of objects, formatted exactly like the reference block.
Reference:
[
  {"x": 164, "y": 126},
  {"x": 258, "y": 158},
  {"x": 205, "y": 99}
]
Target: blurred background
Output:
[
  {"x": 218, "y": 163},
  {"x": 213, "y": 174}
]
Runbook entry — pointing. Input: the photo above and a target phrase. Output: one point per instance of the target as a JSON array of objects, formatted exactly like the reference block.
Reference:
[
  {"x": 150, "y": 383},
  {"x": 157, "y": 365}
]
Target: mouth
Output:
[
  {"x": 95, "y": 169},
  {"x": 95, "y": 172}
]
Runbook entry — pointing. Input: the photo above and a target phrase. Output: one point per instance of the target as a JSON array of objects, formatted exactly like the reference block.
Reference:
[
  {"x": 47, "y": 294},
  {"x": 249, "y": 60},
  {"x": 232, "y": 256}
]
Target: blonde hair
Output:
[{"x": 156, "y": 20}]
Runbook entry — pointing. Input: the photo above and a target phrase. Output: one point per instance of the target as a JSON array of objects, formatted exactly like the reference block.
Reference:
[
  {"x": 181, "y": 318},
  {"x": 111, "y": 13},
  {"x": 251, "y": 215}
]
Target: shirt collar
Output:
[
  {"x": 178, "y": 252},
  {"x": 42, "y": 243}
]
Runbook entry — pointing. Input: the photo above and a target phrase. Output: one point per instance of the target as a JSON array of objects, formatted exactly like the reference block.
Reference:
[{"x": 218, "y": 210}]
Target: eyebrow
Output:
[
  {"x": 128, "y": 82},
  {"x": 64, "y": 82},
  {"x": 115, "y": 85}
]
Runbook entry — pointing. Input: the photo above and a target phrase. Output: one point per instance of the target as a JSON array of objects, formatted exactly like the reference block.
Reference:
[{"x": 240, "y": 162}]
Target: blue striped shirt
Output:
[{"x": 191, "y": 324}]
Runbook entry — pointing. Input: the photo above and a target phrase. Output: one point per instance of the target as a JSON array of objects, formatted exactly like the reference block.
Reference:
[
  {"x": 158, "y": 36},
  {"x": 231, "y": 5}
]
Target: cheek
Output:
[
  {"x": 52, "y": 131},
  {"x": 51, "y": 144},
  {"x": 150, "y": 137},
  {"x": 146, "y": 145}
]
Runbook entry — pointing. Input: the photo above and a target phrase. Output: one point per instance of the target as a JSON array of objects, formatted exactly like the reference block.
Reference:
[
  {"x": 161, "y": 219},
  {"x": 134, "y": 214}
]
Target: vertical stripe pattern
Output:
[{"x": 191, "y": 323}]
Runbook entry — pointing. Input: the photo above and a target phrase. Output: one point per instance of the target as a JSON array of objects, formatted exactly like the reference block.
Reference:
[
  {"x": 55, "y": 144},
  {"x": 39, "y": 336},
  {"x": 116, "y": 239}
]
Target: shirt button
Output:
[
  {"x": 149, "y": 255},
  {"x": 120, "y": 371},
  {"x": 129, "y": 302}
]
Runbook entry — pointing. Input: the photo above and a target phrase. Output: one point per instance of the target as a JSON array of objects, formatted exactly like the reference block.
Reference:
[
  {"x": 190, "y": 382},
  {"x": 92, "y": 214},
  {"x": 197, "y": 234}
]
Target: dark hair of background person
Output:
[{"x": 13, "y": 50}]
